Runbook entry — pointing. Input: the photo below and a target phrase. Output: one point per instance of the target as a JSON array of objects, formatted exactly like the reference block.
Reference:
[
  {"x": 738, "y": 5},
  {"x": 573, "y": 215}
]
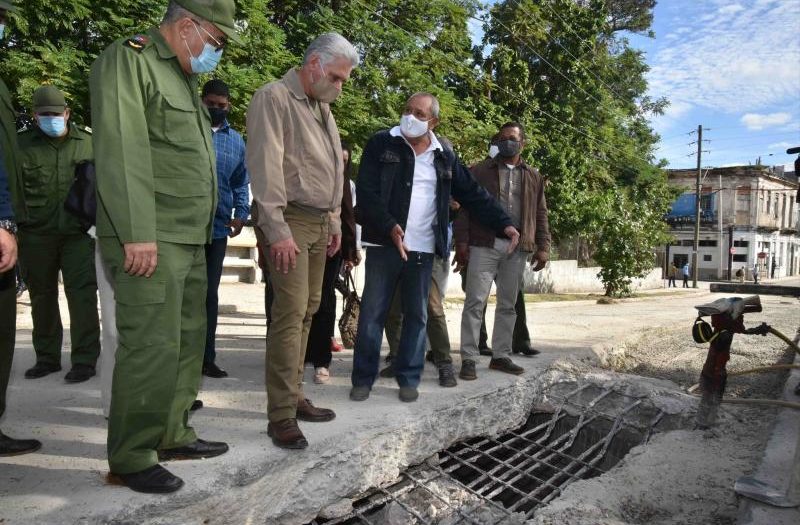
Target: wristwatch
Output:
[{"x": 9, "y": 226}]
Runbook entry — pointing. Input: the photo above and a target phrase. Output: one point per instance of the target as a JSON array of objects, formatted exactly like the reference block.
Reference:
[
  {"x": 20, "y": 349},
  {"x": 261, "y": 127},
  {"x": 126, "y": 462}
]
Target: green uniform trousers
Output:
[
  {"x": 8, "y": 327},
  {"x": 436, "y": 327},
  {"x": 296, "y": 299},
  {"x": 161, "y": 322},
  {"x": 41, "y": 257}
]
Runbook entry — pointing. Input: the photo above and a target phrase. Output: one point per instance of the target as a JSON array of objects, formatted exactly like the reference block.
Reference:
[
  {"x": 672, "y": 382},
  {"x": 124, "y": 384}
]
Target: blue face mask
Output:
[
  {"x": 2, "y": 30},
  {"x": 53, "y": 126},
  {"x": 207, "y": 60}
]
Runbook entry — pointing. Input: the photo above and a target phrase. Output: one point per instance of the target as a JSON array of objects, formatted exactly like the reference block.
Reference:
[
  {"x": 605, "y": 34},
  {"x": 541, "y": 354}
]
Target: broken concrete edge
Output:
[
  {"x": 780, "y": 466},
  {"x": 760, "y": 289},
  {"x": 336, "y": 470}
]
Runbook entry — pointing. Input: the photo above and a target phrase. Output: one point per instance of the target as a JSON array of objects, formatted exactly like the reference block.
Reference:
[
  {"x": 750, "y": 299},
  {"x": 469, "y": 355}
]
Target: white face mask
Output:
[
  {"x": 493, "y": 151},
  {"x": 412, "y": 127}
]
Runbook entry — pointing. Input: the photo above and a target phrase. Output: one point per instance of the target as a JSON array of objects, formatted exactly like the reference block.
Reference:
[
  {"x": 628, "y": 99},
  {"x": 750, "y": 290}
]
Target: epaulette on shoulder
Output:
[{"x": 137, "y": 43}]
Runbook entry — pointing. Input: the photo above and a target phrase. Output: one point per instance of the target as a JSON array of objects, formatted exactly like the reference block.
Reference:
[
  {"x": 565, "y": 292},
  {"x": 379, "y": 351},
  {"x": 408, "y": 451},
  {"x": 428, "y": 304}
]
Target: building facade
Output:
[{"x": 749, "y": 219}]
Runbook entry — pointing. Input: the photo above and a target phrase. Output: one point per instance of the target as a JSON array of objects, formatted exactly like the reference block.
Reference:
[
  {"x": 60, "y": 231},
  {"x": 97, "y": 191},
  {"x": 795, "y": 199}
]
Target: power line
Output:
[{"x": 508, "y": 92}]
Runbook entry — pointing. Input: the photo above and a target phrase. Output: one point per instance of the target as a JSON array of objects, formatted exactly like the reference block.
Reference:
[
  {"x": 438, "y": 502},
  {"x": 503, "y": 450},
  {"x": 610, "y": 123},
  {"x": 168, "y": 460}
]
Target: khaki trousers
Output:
[{"x": 296, "y": 300}]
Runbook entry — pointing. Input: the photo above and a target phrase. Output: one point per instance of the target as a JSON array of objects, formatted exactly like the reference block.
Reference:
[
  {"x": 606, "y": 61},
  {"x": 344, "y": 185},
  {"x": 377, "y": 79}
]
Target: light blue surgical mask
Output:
[
  {"x": 209, "y": 57},
  {"x": 2, "y": 30},
  {"x": 53, "y": 126}
]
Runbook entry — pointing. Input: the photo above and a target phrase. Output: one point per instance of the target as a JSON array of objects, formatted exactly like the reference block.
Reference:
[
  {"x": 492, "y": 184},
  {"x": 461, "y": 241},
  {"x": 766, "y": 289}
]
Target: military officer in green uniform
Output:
[
  {"x": 157, "y": 193},
  {"x": 11, "y": 209},
  {"x": 52, "y": 240}
]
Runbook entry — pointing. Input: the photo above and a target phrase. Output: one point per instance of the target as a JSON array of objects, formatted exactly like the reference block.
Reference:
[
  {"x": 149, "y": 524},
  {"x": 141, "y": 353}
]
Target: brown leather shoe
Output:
[
  {"x": 308, "y": 412},
  {"x": 286, "y": 434}
]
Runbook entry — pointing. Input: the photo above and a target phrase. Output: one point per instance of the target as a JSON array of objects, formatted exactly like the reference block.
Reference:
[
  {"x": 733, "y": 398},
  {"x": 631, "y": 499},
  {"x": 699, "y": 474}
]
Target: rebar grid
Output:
[{"x": 514, "y": 473}]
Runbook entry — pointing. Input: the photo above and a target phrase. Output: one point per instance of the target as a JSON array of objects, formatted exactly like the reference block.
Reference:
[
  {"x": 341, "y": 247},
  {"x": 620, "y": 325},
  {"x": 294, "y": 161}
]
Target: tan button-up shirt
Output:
[{"x": 292, "y": 157}]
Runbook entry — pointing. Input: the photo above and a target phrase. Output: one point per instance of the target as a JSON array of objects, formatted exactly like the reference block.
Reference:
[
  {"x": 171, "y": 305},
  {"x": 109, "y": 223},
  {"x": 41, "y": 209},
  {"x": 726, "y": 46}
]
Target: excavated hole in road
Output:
[{"x": 574, "y": 432}]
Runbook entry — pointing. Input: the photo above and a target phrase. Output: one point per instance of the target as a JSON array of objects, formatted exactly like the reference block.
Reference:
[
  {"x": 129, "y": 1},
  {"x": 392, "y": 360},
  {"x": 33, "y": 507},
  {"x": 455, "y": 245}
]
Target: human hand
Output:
[
  {"x": 8, "y": 250},
  {"x": 462, "y": 257},
  {"x": 334, "y": 243},
  {"x": 397, "y": 235},
  {"x": 539, "y": 261},
  {"x": 512, "y": 234},
  {"x": 236, "y": 226},
  {"x": 284, "y": 254},
  {"x": 141, "y": 258}
]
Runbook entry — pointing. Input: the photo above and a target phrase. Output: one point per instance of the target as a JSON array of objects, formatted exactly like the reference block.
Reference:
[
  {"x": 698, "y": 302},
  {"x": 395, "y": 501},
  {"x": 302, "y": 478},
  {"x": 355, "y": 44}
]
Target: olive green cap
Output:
[
  {"x": 218, "y": 12},
  {"x": 8, "y": 5},
  {"x": 49, "y": 99}
]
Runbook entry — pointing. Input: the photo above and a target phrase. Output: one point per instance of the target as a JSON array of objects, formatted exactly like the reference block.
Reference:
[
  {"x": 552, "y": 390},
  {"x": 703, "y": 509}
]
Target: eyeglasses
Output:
[{"x": 219, "y": 44}]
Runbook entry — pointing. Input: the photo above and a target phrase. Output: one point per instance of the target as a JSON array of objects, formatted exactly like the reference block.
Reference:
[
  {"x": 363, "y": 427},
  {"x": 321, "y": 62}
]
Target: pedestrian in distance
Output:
[
  {"x": 685, "y": 272},
  {"x": 673, "y": 271},
  {"x": 157, "y": 197}
]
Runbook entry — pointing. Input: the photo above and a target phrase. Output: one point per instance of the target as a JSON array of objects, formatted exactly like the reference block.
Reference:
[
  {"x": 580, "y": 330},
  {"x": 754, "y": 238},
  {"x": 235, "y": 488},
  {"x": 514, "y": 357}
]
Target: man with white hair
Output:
[{"x": 295, "y": 164}]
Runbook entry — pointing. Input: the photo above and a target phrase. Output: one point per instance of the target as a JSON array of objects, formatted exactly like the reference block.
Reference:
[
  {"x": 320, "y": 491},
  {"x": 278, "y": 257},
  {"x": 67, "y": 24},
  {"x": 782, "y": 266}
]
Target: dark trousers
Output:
[
  {"x": 686, "y": 281},
  {"x": 521, "y": 338},
  {"x": 385, "y": 272},
  {"x": 8, "y": 322},
  {"x": 215, "y": 255},
  {"x": 318, "y": 349}
]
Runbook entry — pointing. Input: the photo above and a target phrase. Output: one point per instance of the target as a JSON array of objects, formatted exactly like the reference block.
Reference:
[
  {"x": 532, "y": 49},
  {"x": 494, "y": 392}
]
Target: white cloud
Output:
[
  {"x": 780, "y": 145},
  {"x": 756, "y": 122},
  {"x": 730, "y": 9},
  {"x": 741, "y": 57}
]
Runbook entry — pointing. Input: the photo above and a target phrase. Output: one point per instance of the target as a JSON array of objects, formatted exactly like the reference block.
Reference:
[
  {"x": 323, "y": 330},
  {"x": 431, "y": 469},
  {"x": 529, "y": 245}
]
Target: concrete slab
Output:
[
  {"x": 780, "y": 466},
  {"x": 368, "y": 443}
]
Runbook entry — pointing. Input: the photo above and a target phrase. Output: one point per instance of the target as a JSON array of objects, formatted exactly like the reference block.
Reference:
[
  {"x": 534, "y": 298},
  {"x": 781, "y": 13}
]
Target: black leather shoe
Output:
[
  {"x": 212, "y": 370},
  {"x": 467, "y": 372},
  {"x": 40, "y": 370},
  {"x": 196, "y": 405},
  {"x": 504, "y": 364},
  {"x": 79, "y": 373},
  {"x": 17, "y": 447},
  {"x": 485, "y": 351},
  {"x": 152, "y": 480},
  {"x": 527, "y": 351},
  {"x": 388, "y": 371},
  {"x": 429, "y": 356},
  {"x": 200, "y": 449}
]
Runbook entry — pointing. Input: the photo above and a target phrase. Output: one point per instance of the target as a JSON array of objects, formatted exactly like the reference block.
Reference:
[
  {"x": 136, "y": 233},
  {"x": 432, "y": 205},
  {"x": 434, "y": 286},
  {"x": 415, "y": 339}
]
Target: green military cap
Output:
[
  {"x": 8, "y": 5},
  {"x": 218, "y": 12},
  {"x": 49, "y": 99}
]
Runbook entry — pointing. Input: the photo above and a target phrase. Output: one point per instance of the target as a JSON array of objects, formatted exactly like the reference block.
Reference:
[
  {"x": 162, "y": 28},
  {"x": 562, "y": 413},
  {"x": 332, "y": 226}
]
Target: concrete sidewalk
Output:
[{"x": 367, "y": 444}]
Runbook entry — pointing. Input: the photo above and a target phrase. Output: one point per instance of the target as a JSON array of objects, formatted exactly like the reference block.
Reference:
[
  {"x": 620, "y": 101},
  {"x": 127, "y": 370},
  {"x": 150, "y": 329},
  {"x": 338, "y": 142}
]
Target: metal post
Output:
[{"x": 695, "y": 258}]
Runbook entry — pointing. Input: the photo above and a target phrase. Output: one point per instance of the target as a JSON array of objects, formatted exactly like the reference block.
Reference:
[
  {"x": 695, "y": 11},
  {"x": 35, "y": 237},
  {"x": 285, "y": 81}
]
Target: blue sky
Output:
[{"x": 732, "y": 66}]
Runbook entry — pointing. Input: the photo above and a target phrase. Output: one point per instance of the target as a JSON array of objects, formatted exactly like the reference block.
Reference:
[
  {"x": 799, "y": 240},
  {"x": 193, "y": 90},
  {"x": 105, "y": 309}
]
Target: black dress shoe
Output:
[
  {"x": 527, "y": 351},
  {"x": 79, "y": 373},
  {"x": 17, "y": 447},
  {"x": 152, "y": 480},
  {"x": 212, "y": 370},
  {"x": 41, "y": 370},
  {"x": 200, "y": 449},
  {"x": 196, "y": 405},
  {"x": 485, "y": 351}
]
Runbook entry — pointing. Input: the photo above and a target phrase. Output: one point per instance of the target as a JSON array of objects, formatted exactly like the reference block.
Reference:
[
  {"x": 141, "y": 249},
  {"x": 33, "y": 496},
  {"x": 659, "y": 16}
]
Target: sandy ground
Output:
[{"x": 686, "y": 476}]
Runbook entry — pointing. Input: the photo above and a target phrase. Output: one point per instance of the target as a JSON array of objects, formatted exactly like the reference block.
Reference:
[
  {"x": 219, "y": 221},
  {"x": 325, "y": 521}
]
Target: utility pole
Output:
[{"x": 695, "y": 269}]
